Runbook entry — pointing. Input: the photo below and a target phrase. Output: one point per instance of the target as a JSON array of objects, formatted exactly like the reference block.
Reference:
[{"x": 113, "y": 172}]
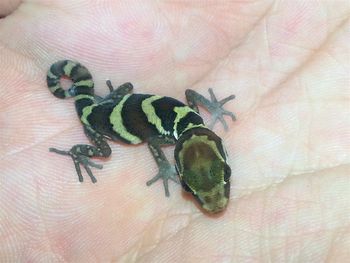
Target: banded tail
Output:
[{"x": 80, "y": 76}]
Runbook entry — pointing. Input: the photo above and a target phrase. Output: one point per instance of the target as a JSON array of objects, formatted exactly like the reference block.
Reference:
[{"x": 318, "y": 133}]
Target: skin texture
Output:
[{"x": 287, "y": 62}]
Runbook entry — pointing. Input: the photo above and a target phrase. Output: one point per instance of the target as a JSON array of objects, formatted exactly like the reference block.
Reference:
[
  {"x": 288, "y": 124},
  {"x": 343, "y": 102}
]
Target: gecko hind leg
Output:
[
  {"x": 79, "y": 159},
  {"x": 120, "y": 91},
  {"x": 81, "y": 153}
]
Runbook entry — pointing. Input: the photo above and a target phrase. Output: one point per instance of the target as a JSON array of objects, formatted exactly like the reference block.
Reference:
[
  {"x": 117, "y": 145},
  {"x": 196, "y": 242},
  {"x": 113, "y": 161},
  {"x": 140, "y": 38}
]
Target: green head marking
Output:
[{"x": 201, "y": 163}]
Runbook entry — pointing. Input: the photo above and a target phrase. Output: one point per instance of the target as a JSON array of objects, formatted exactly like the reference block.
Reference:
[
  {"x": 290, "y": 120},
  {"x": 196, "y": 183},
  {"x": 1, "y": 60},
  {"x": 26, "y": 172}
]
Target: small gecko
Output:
[{"x": 201, "y": 160}]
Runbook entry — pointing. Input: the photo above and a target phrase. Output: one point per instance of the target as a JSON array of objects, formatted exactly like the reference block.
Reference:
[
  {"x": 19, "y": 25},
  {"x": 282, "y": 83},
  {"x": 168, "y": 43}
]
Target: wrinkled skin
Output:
[{"x": 286, "y": 62}]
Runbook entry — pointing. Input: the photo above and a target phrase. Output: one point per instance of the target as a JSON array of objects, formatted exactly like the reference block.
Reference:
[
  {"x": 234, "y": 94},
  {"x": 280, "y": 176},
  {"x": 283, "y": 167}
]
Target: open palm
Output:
[{"x": 286, "y": 62}]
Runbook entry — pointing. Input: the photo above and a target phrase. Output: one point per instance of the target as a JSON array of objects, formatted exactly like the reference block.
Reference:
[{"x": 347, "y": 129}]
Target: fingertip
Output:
[{"x": 8, "y": 6}]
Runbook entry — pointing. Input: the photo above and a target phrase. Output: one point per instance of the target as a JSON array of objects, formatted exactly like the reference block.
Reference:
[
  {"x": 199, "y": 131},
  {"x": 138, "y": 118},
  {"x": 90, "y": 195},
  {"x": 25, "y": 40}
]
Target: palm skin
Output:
[{"x": 286, "y": 62}]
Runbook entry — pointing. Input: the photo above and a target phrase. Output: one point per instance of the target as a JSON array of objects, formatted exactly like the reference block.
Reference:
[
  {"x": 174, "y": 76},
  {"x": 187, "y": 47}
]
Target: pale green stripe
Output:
[
  {"x": 181, "y": 112},
  {"x": 117, "y": 122},
  {"x": 88, "y": 109},
  {"x": 86, "y": 112},
  {"x": 51, "y": 75},
  {"x": 87, "y": 82},
  {"x": 83, "y": 96},
  {"x": 68, "y": 68},
  {"x": 191, "y": 126},
  {"x": 54, "y": 88},
  {"x": 151, "y": 115}
]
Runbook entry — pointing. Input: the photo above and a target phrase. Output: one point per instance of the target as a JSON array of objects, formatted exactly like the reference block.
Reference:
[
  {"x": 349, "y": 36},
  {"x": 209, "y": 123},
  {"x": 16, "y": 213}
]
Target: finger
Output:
[{"x": 8, "y": 6}]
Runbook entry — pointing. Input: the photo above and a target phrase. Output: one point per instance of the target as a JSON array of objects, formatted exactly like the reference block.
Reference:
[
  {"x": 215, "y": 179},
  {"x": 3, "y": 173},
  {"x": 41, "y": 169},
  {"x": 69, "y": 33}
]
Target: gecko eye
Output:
[
  {"x": 185, "y": 187},
  {"x": 227, "y": 173}
]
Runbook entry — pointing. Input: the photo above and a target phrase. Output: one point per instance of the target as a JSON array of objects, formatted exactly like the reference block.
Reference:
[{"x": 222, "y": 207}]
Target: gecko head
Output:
[{"x": 201, "y": 164}]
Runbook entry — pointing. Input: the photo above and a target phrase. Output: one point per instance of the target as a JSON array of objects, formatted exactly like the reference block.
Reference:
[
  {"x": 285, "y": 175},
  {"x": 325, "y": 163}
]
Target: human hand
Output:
[{"x": 286, "y": 62}]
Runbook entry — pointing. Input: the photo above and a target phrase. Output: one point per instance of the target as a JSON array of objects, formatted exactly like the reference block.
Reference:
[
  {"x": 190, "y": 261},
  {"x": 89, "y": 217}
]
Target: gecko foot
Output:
[
  {"x": 78, "y": 160},
  {"x": 216, "y": 109},
  {"x": 166, "y": 172}
]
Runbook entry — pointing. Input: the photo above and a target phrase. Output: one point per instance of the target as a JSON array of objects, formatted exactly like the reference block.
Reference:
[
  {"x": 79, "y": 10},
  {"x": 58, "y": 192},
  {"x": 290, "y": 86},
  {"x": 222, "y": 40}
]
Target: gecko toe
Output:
[{"x": 166, "y": 172}]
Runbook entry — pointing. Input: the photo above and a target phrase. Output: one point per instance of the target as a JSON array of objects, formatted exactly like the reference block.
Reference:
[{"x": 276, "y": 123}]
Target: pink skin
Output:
[{"x": 286, "y": 62}]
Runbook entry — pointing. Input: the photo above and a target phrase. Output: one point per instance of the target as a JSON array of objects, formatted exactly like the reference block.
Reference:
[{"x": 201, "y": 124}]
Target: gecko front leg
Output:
[
  {"x": 214, "y": 106},
  {"x": 166, "y": 170}
]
